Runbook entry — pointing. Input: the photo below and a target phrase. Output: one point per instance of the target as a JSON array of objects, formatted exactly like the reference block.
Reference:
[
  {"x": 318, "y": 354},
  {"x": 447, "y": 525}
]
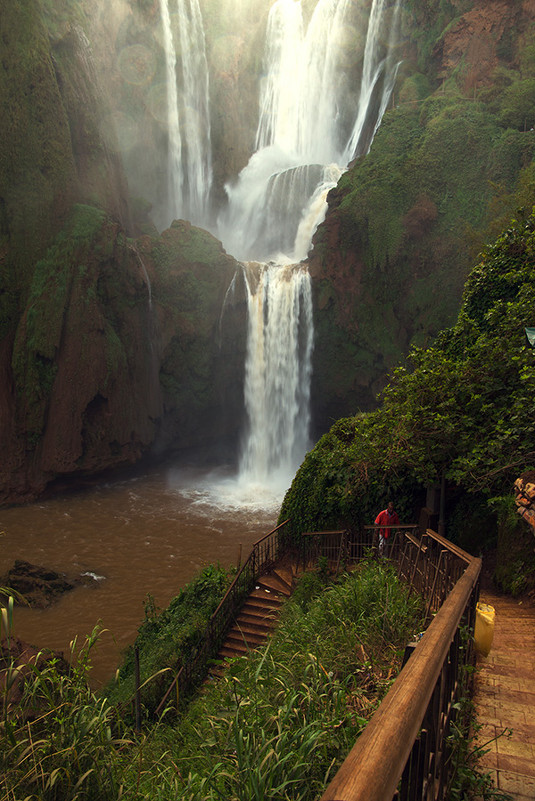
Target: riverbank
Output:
[{"x": 144, "y": 535}]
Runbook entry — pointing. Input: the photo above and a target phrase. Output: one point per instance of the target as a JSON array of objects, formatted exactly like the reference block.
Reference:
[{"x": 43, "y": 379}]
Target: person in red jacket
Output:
[{"x": 388, "y": 517}]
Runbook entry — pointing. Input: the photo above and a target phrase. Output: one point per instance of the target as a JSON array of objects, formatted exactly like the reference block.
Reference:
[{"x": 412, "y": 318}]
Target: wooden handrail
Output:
[
  {"x": 273, "y": 531},
  {"x": 450, "y": 546},
  {"x": 392, "y": 525},
  {"x": 373, "y": 768},
  {"x": 415, "y": 541},
  {"x": 322, "y": 533}
]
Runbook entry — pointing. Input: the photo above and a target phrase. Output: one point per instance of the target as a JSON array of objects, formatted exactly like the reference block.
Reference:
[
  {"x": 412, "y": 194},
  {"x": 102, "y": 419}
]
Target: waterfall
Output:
[
  {"x": 304, "y": 141},
  {"x": 189, "y": 160},
  {"x": 174, "y": 147},
  {"x": 379, "y": 67},
  {"x": 277, "y": 386},
  {"x": 329, "y": 71}
]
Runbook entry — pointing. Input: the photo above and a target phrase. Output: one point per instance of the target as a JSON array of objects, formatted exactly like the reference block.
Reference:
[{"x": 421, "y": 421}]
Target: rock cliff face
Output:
[
  {"x": 449, "y": 165},
  {"x": 111, "y": 346},
  {"x": 118, "y": 353},
  {"x": 112, "y": 340}
]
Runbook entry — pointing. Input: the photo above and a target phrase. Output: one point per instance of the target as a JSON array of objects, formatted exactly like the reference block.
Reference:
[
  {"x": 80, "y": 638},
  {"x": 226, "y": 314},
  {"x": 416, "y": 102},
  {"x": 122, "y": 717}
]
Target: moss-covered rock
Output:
[
  {"x": 460, "y": 410},
  {"x": 84, "y": 394},
  {"x": 203, "y": 333},
  {"x": 407, "y": 220},
  {"x": 121, "y": 351}
]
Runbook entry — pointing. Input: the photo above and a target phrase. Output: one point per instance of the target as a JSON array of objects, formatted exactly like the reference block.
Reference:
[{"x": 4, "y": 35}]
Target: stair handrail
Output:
[
  {"x": 403, "y": 751},
  {"x": 264, "y": 552}
]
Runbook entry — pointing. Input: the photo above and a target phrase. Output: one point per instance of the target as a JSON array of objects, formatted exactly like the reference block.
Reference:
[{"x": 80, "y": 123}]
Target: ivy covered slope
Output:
[
  {"x": 463, "y": 407},
  {"x": 449, "y": 165}
]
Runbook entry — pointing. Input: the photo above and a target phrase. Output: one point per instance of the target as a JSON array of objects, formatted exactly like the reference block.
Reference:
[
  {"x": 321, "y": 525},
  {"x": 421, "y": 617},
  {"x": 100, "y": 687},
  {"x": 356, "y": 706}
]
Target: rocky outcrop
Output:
[
  {"x": 483, "y": 38},
  {"x": 406, "y": 222},
  {"x": 525, "y": 498},
  {"x": 40, "y": 587},
  {"x": 112, "y": 347},
  {"x": 119, "y": 353}
]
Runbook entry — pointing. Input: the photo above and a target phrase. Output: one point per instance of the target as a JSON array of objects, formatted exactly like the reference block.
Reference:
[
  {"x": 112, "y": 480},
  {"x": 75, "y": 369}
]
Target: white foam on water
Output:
[{"x": 222, "y": 491}]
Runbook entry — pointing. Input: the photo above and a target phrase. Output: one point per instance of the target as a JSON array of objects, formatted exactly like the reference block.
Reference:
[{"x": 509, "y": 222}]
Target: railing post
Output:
[{"x": 138, "y": 690}]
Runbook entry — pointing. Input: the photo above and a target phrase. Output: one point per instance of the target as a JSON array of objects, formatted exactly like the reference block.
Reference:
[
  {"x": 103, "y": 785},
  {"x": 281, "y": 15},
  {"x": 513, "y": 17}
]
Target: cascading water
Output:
[
  {"x": 189, "y": 159},
  {"x": 277, "y": 384},
  {"x": 329, "y": 72},
  {"x": 303, "y": 144},
  {"x": 378, "y": 76}
]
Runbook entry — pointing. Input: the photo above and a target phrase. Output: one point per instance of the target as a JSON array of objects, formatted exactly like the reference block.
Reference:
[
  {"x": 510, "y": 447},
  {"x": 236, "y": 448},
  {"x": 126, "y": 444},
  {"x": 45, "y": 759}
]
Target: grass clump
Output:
[
  {"x": 280, "y": 721},
  {"x": 58, "y": 740}
]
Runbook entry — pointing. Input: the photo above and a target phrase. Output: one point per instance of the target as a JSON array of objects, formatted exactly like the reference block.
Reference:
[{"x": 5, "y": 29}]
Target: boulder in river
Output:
[{"x": 40, "y": 586}]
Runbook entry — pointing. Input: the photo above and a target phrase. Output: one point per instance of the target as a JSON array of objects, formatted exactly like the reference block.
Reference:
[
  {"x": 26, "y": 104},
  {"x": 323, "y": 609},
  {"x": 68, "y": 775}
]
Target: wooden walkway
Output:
[{"x": 505, "y": 698}]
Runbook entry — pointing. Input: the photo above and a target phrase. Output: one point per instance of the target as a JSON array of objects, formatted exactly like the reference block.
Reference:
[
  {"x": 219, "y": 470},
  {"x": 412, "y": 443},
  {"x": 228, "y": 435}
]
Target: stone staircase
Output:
[{"x": 257, "y": 617}]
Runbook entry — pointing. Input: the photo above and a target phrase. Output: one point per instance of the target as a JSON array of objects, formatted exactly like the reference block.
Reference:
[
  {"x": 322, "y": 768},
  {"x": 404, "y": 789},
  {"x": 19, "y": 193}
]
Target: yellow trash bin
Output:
[{"x": 484, "y": 629}]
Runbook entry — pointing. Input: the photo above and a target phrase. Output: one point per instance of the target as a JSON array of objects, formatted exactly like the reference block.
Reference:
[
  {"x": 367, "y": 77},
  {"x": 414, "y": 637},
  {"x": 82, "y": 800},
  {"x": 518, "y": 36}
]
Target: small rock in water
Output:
[{"x": 39, "y": 586}]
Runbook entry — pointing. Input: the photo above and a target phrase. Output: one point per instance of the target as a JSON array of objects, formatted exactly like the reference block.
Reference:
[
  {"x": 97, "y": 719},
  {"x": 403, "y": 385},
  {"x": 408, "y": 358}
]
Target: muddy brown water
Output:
[{"x": 143, "y": 535}]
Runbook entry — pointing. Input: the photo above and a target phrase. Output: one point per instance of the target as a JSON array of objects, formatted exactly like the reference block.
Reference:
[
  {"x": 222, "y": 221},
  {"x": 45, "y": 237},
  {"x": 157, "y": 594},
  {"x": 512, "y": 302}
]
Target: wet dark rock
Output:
[{"x": 40, "y": 587}]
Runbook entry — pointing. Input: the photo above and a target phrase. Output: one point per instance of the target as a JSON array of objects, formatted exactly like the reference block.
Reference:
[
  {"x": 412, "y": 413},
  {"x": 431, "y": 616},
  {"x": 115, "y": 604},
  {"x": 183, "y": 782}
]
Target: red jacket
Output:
[{"x": 384, "y": 518}]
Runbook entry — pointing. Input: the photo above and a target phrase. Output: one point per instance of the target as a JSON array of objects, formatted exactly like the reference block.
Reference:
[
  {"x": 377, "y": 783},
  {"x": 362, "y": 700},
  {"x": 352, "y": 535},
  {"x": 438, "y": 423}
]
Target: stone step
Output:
[
  {"x": 275, "y": 583},
  {"x": 232, "y": 652},
  {"x": 260, "y": 622},
  {"x": 257, "y": 617},
  {"x": 267, "y": 596},
  {"x": 261, "y": 607},
  {"x": 250, "y": 629},
  {"x": 250, "y": 638}
]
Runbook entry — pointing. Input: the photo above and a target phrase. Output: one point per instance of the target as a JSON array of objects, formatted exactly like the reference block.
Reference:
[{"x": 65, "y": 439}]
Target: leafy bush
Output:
[
  {"x": 515, "y": 557},
  {"x": 460, "y": 408}
]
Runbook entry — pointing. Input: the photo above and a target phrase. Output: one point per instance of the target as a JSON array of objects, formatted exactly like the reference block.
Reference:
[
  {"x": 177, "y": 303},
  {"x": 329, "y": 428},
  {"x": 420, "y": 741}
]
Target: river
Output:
[{"x": 145, "y": 534}]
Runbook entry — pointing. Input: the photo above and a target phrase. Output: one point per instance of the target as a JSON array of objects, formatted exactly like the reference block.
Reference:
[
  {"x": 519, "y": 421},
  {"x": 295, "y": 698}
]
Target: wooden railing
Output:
[
  {"x": 265, "y": 553},
  {"x": 404, "y": 752}
]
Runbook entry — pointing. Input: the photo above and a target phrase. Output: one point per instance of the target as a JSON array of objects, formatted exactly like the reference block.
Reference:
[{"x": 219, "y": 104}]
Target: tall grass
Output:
[
  {"x": 276, "y": 726},
  {"x": 58, "y": 741},
  {"x": 279, "y": 722}
]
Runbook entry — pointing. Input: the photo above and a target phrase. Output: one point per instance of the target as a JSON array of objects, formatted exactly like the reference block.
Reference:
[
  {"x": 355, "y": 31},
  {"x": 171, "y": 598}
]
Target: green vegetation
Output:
[
  {"x": 277, "y": 725},
  {"x": 36, "y": 163},
  {"x": 169, "y": 639},
  {"x": 461, "y": 408},
  {"x": 515, "y": 556},
  {"x": 59, "y": 741},
  {"x": 38, "y": 338},
  {"x": 448, "y": 168}
]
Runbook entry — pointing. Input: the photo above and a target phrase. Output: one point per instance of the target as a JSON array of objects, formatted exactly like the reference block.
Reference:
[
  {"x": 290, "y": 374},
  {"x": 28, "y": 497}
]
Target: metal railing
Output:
[
  {"x": 405, "y": 750},
  {"x": 265, "y": 553}
]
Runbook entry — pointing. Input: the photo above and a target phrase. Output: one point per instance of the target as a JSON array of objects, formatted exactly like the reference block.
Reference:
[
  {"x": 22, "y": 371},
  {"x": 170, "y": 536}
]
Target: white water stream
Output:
[
  {"x": 189, "y": 158},
  {"x": 277, "y": 383}
]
